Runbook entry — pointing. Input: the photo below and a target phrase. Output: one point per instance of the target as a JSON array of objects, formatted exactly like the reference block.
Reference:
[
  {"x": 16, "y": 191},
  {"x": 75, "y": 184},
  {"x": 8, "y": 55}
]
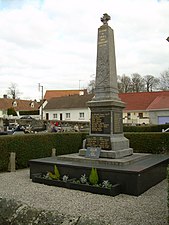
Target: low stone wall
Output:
[{"x": 12, "y": 212}]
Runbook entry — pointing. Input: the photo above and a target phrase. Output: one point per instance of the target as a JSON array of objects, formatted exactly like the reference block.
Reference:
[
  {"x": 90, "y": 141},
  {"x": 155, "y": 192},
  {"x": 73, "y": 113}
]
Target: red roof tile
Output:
[
  {"x": 59, "y": 93},
  {"x": 134, "y": 101},
  {"x": 65, "y": 102},
  {"x": 21, "y": 105},
  {"x": 161, "y": 102},
  {"x": 143, "y": 100}
]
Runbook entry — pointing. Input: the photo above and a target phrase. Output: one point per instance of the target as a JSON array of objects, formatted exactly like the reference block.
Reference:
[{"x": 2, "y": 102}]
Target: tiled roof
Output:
[
  {"x": 59, "y": 93},
  {"x": 144, "y": 100},
  {"x": 134, "y": 101},
  {"x": 21, "y": 105},
  {"x": 73, "y": 101},
  {"x": 161, "y": 102}
]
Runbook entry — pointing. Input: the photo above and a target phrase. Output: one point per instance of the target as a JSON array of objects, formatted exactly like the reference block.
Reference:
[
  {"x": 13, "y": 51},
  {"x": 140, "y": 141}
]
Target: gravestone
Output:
[{"x": 106, "y": 127}]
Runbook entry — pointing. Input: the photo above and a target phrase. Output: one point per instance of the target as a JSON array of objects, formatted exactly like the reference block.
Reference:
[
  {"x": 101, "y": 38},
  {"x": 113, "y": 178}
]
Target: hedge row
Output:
[
  {"x": 150, "y": 142},
  {"x": 168, "y": 192},
  {"x": 145, "y": 128},
  {"x": 37, "y": 146},
  {"x": 40, "y": 145}
]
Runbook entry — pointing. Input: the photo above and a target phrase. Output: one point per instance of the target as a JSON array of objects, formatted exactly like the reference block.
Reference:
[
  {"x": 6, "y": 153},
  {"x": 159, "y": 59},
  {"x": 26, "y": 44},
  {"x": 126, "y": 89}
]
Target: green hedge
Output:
[
  {"x": 149, "y": 142},
  {"x": 145, "y": 128},
  {"x": 34, "y": 112},
  {"x": 40, "y": 145},
  {"x": 168, "y": 191},
  {"x": 37, "y": 146}
]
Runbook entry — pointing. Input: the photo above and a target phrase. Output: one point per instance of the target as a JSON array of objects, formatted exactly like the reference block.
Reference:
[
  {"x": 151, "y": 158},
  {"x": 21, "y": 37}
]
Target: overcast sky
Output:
[{"x": 54, "y": 43}]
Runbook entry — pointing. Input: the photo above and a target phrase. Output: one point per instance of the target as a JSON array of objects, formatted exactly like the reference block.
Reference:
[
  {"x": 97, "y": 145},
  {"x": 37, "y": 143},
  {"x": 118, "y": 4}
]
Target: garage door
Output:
[{"x": 163, "y": 119}]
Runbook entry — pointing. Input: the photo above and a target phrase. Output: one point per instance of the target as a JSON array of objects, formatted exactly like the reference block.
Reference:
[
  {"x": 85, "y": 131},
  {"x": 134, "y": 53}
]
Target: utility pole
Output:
[{"x": 41, "y": 89}]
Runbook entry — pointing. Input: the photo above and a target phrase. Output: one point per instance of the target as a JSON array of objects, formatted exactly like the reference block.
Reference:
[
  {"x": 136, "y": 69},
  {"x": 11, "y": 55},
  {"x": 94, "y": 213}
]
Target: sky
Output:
[{"x": 54, "y": 43}]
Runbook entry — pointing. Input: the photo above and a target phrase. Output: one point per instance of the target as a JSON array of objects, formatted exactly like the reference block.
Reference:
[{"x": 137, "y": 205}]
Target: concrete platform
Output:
[{"x": 135, "y": 174}]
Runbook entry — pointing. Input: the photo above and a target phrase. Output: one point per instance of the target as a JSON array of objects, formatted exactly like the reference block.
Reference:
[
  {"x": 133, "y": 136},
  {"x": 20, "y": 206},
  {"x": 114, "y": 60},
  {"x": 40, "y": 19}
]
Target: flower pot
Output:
[
  {"x": 38, "y": 178},
  {"x": 115, "y": 190}
]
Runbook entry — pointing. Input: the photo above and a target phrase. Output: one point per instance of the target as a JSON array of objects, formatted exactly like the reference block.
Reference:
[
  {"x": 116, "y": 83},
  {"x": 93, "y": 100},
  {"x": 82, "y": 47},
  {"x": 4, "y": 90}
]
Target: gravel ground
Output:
[{"x": 150, "y": 208}]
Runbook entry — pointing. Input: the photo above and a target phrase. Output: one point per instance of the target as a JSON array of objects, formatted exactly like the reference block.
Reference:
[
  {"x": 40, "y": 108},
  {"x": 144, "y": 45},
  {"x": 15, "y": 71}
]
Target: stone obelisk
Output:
[{"x": 106, "y": 127}]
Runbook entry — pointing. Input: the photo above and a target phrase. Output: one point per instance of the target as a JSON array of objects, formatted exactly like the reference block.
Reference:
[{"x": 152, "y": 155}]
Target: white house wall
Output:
[
  {"x": 74, "y": 114},
  {"x": 134, "y": 117},
  {"x": 154, "y": 115}
]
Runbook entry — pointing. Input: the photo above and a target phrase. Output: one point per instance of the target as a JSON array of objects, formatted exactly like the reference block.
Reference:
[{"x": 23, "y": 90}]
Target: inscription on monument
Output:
[
  {"x": 101, "y": 141},
  {"x": 117, "y": 122},
  {"x": 100, "y": 122},
  {"x": 102, "y": 38}
]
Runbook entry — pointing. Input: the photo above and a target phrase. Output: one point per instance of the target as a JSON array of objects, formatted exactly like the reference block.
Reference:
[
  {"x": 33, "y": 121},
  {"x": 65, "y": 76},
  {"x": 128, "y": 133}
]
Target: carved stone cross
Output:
[{"x": 105, "y": 18}]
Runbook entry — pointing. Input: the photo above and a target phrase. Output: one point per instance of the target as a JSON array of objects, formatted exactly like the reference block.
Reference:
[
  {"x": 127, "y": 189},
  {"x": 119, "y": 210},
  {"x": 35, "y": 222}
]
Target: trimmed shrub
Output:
[
  {"x": 11, "y": 111},
  {"x": 33, "y": 112},
  {"x": 145, "y": 128},
  {"x": 37, "y": 146},
  {"x": 149, "y": 142},
  {"x": 93, "y": 178},
  {"x": 168, "y": 191}
]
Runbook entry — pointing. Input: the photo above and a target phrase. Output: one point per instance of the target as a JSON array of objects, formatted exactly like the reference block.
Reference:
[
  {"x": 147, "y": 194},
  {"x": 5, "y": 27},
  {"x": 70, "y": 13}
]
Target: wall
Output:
[
  {"x": 134, "y": 117},
  {"x": 155, "y": 114},
  {"x": 74, "y": 114}
]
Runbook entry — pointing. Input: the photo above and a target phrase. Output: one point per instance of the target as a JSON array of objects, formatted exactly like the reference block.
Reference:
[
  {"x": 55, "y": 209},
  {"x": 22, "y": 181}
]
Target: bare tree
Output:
[
  {"x": 137, "y": 82},
  {"x": 124, "y": 83},
  {"x": 164, "y": 80},
  {"x": 13, "y": 92},
  {"x": 151, "y": 82}
]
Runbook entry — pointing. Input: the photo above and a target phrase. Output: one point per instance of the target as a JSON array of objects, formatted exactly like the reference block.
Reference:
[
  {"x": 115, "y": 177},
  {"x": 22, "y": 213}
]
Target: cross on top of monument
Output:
[{"x": 105, "y": 18}]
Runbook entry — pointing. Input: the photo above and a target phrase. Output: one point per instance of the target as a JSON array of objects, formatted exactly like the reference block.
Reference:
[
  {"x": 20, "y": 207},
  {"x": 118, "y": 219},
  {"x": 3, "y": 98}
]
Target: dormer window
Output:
[
  {"x": 14, "y": 104},
  {"x": 81, "y": 92},
  {"x": 32, "y": 105}
]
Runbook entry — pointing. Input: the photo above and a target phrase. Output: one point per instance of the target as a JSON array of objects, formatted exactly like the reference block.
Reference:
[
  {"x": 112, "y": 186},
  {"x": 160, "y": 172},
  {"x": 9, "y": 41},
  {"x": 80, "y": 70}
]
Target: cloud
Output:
[{"x": 54, "y": 42}]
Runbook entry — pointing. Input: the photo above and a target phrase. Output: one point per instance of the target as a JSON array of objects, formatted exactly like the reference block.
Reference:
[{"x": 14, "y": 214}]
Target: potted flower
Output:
[{"x": 52, "y": 178}]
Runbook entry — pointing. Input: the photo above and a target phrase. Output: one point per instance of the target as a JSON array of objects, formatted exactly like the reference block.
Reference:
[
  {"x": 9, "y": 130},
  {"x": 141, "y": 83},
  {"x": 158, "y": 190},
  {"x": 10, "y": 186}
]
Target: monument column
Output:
[{"x": 106, "y": 127}]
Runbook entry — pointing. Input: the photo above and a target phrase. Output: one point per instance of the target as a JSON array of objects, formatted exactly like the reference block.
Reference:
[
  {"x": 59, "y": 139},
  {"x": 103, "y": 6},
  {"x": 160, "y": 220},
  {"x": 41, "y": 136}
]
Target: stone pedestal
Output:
[{"x": 106, "y": 130}]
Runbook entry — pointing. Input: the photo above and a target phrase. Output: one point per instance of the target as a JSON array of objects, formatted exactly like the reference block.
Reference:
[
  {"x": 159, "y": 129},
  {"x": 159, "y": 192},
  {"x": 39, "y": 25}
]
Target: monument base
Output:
[
  {"x": 135, "y": 174},
  {"x": 112, "y": 146},
  {"x": 110, "y": 154}
]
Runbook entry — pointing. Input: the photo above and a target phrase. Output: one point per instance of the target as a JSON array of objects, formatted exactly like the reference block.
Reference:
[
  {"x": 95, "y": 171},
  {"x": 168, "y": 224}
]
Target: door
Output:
[
  {"x": 47, "y": 116},
  {"x": 163, "y": 119}
]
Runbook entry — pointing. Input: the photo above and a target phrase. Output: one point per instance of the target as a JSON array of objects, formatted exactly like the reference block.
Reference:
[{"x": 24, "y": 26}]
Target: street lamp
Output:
[{"x": 41, "y": 88}]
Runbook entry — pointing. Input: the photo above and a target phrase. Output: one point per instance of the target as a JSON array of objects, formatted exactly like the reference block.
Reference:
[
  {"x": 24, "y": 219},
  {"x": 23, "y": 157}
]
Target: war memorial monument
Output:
[{"x": 106, "y": 148}]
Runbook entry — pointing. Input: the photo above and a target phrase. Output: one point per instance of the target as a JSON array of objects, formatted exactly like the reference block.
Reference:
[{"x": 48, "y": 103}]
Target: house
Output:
[
  {"x": 10, "y": 108},
  {"x": 140, "y": 108},
  {"x": 68, "y": 108},
  {"x": 146, "y": 107}
]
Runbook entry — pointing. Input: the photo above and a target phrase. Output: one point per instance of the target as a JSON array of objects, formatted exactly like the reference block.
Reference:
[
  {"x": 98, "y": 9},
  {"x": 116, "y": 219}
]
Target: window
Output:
[
  {"x": 129, "y": 116},
  {"x": 55, "y": 116},
  {"x": 140, "y": 115},
  {"x": 81, "y": 115},
  {"x": 32, "y": 105},
  {"x": 14, "y": 104},
  {"x": 67, "y": 115}
]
